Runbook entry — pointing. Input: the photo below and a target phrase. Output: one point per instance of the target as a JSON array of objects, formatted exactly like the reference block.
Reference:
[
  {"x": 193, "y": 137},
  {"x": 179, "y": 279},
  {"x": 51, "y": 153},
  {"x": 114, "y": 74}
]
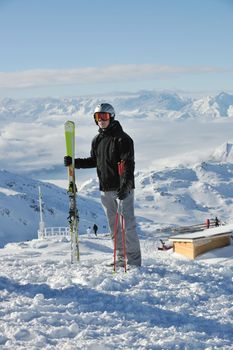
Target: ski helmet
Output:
[{"x": 105, "y": 108}]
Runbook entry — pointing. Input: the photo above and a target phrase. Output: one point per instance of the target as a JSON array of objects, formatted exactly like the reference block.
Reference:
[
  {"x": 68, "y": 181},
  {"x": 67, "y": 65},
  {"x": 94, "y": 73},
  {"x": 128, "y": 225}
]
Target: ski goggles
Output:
[{"x": 102, "y": 116}]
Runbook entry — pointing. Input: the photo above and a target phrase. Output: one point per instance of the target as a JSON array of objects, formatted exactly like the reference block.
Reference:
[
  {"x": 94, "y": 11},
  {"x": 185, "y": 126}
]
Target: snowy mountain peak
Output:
[
  {"x": 212, "y": 107},
  {"x": 224, "y": 153},
  {"x": 162, "y": 104},
  {"x": 224, "y": 98}
]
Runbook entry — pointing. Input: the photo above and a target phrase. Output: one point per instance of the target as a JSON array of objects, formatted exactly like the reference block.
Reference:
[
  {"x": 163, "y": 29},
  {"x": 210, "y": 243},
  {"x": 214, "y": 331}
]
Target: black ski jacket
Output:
[{"x": 108, "y": 148}]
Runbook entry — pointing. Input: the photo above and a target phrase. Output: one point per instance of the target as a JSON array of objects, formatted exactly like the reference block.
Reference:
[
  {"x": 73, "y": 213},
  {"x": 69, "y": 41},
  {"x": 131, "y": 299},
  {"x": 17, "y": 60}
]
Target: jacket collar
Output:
[{"x": 113, "y": 129}]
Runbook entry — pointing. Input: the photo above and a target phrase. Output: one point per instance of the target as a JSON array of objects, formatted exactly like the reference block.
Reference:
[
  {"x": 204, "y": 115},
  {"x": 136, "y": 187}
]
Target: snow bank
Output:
[{"x": 168, "y": 303}]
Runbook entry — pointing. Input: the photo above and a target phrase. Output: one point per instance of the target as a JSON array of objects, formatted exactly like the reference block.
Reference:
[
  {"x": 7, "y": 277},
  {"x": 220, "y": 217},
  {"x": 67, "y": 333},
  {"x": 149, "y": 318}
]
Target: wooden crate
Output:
[{"x": 194, "y": 244}]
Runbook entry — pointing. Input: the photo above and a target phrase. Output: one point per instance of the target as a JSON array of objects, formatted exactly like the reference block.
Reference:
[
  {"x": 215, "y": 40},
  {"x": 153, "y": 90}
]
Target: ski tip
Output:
[{"x": 69, "y": 125}]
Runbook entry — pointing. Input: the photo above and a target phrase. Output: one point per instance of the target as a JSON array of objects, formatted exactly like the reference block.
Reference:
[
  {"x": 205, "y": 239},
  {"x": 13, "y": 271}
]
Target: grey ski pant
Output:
[{"x": 110, "y": 205}]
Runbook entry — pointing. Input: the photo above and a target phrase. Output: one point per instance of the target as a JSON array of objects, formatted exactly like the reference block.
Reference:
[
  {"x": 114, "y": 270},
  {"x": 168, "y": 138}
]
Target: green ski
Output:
[{"x": 73, "y": 212}]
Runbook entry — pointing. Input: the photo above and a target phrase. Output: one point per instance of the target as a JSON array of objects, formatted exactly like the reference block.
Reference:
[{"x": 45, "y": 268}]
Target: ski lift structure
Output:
[{"x": 49, "y": 232}]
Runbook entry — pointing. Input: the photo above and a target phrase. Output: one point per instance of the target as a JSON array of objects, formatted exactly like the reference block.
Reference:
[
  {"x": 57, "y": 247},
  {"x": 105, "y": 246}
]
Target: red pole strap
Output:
[{"x": 121, "y": 167}]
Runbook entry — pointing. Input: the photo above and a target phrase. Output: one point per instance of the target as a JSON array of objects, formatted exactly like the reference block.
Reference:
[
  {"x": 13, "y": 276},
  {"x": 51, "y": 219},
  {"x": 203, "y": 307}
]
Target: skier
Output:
[
  {"x": 95, "y": 229},
  {"x": 207, "y": 223},
  {"x": 110, "y": 146},
  {"x": 216, "y": 221},
  {"x": 89, "y": 231}
]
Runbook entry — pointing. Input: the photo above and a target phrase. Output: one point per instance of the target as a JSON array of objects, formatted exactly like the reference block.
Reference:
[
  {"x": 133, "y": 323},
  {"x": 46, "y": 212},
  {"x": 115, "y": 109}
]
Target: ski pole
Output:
[
  {"x": 123, "y": 235},
  {"x": 115, "y": 240},
  {"x": 120, "y": 217}
]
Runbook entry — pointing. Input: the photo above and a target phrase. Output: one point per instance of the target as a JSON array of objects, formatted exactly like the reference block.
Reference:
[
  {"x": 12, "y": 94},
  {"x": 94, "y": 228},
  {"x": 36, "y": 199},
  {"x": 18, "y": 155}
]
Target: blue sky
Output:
[{"x": 77, "y": 47}]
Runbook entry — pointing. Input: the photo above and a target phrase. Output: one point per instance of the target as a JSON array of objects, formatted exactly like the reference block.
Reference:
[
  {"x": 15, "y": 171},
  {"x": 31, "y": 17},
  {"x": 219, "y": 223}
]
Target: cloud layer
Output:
[{"x": 115, "y": 73}]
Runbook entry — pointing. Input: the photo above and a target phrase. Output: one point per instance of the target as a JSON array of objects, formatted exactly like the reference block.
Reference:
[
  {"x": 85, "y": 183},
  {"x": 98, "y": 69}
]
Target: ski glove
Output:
[
  {"x": 67, "y": 160},
  {"x": 123, "y": 192}
]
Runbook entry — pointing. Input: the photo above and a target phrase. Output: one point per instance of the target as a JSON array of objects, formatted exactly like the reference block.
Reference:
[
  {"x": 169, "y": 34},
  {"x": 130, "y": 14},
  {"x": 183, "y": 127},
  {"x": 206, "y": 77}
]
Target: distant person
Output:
[
  {"x": 89, "y": 231},
  {"x": 95, "y": 229},
  {"x": 207, "y": 223},
  {"x": 111, "y": 146},
  {"x": 216, "y": 221}
]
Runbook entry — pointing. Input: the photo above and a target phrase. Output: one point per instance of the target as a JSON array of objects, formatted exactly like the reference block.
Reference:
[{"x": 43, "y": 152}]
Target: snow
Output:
[
  {"x": 174, "y": 196},
  {"x": 19, "y": 208},
  {"x": 8, "y": 192},
  {"x": 168, "y": 303},
  {"x": 32, "y": 127},
  {"x": 228, "y": 229}
]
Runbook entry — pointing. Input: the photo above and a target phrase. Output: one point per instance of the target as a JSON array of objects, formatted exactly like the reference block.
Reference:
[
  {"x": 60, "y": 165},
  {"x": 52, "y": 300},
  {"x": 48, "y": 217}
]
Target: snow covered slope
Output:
[
  {"x": 186, "y": 195},
  {"x": 169, "y": 303},
  {"x": 19, "y": 208},
  {"x": 181, "y": 195},
  {"x": 191, "y": 193}
]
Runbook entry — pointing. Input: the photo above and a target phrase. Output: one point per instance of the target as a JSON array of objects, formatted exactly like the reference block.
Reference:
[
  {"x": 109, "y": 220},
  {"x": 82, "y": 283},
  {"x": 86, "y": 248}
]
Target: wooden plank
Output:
[
  {"x": 209, "y": 244},
  {"x": 184, "y": 248},
  {"x": 197, "y": 247}
]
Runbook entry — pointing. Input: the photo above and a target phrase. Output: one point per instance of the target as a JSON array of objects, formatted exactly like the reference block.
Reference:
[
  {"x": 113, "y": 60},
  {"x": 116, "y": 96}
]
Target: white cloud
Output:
[
  {"x": 31, "y": 144},
  {"x": 78, "y": 76}
]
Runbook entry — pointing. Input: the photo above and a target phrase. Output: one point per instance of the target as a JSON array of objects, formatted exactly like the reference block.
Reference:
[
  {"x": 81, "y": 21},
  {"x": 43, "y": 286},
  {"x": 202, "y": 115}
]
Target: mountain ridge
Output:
[
  {"x": 220, "y": 105},
  {"x": 19, "y": 208},
  {"x": 173, "y": 196}
]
